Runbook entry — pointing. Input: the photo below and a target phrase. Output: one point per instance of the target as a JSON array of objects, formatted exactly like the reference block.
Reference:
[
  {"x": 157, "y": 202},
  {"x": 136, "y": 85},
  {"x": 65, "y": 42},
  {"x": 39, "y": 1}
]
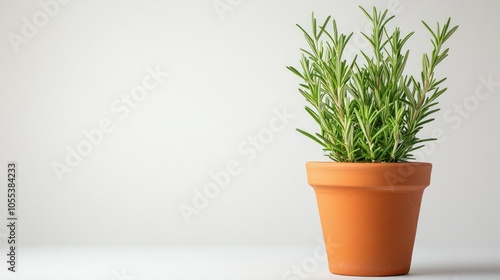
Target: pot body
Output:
[{"x": 369, "y": 214}]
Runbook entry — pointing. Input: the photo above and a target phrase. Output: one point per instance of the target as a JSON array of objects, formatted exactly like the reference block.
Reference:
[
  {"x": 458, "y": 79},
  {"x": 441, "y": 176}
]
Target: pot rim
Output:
[
  {"x": 368, "y": 174},
  {"x": 369, "y": 163}
]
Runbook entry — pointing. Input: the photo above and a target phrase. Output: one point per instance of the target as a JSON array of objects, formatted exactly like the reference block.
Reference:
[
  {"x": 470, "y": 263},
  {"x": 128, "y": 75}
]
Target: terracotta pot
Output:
[{"x": 369, "y": 214}]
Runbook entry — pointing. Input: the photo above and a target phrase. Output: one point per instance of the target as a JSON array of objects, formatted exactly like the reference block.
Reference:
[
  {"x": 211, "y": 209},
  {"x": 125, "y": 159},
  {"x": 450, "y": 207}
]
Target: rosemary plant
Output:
[{"x": 369, "y": 112}]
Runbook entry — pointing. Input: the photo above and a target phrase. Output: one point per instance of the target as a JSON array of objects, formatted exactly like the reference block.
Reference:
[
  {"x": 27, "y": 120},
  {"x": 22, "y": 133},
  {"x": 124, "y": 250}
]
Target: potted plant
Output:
[{"x": 369, "y": 112}]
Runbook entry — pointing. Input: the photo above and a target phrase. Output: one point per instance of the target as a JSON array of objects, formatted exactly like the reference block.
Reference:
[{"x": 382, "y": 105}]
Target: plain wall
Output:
[{"x": 227, "y": 85}]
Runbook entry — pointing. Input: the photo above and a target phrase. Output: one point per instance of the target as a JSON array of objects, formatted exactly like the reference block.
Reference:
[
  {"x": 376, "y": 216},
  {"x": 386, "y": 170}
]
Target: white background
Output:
[{"x": 227, "y": 79}]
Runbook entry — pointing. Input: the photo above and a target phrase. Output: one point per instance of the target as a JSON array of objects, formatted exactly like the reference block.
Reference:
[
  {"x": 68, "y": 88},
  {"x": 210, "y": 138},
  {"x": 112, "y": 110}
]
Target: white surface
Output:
[
  {"x": 242, "y": 263},
  {"x": 227, "y": 79}
]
